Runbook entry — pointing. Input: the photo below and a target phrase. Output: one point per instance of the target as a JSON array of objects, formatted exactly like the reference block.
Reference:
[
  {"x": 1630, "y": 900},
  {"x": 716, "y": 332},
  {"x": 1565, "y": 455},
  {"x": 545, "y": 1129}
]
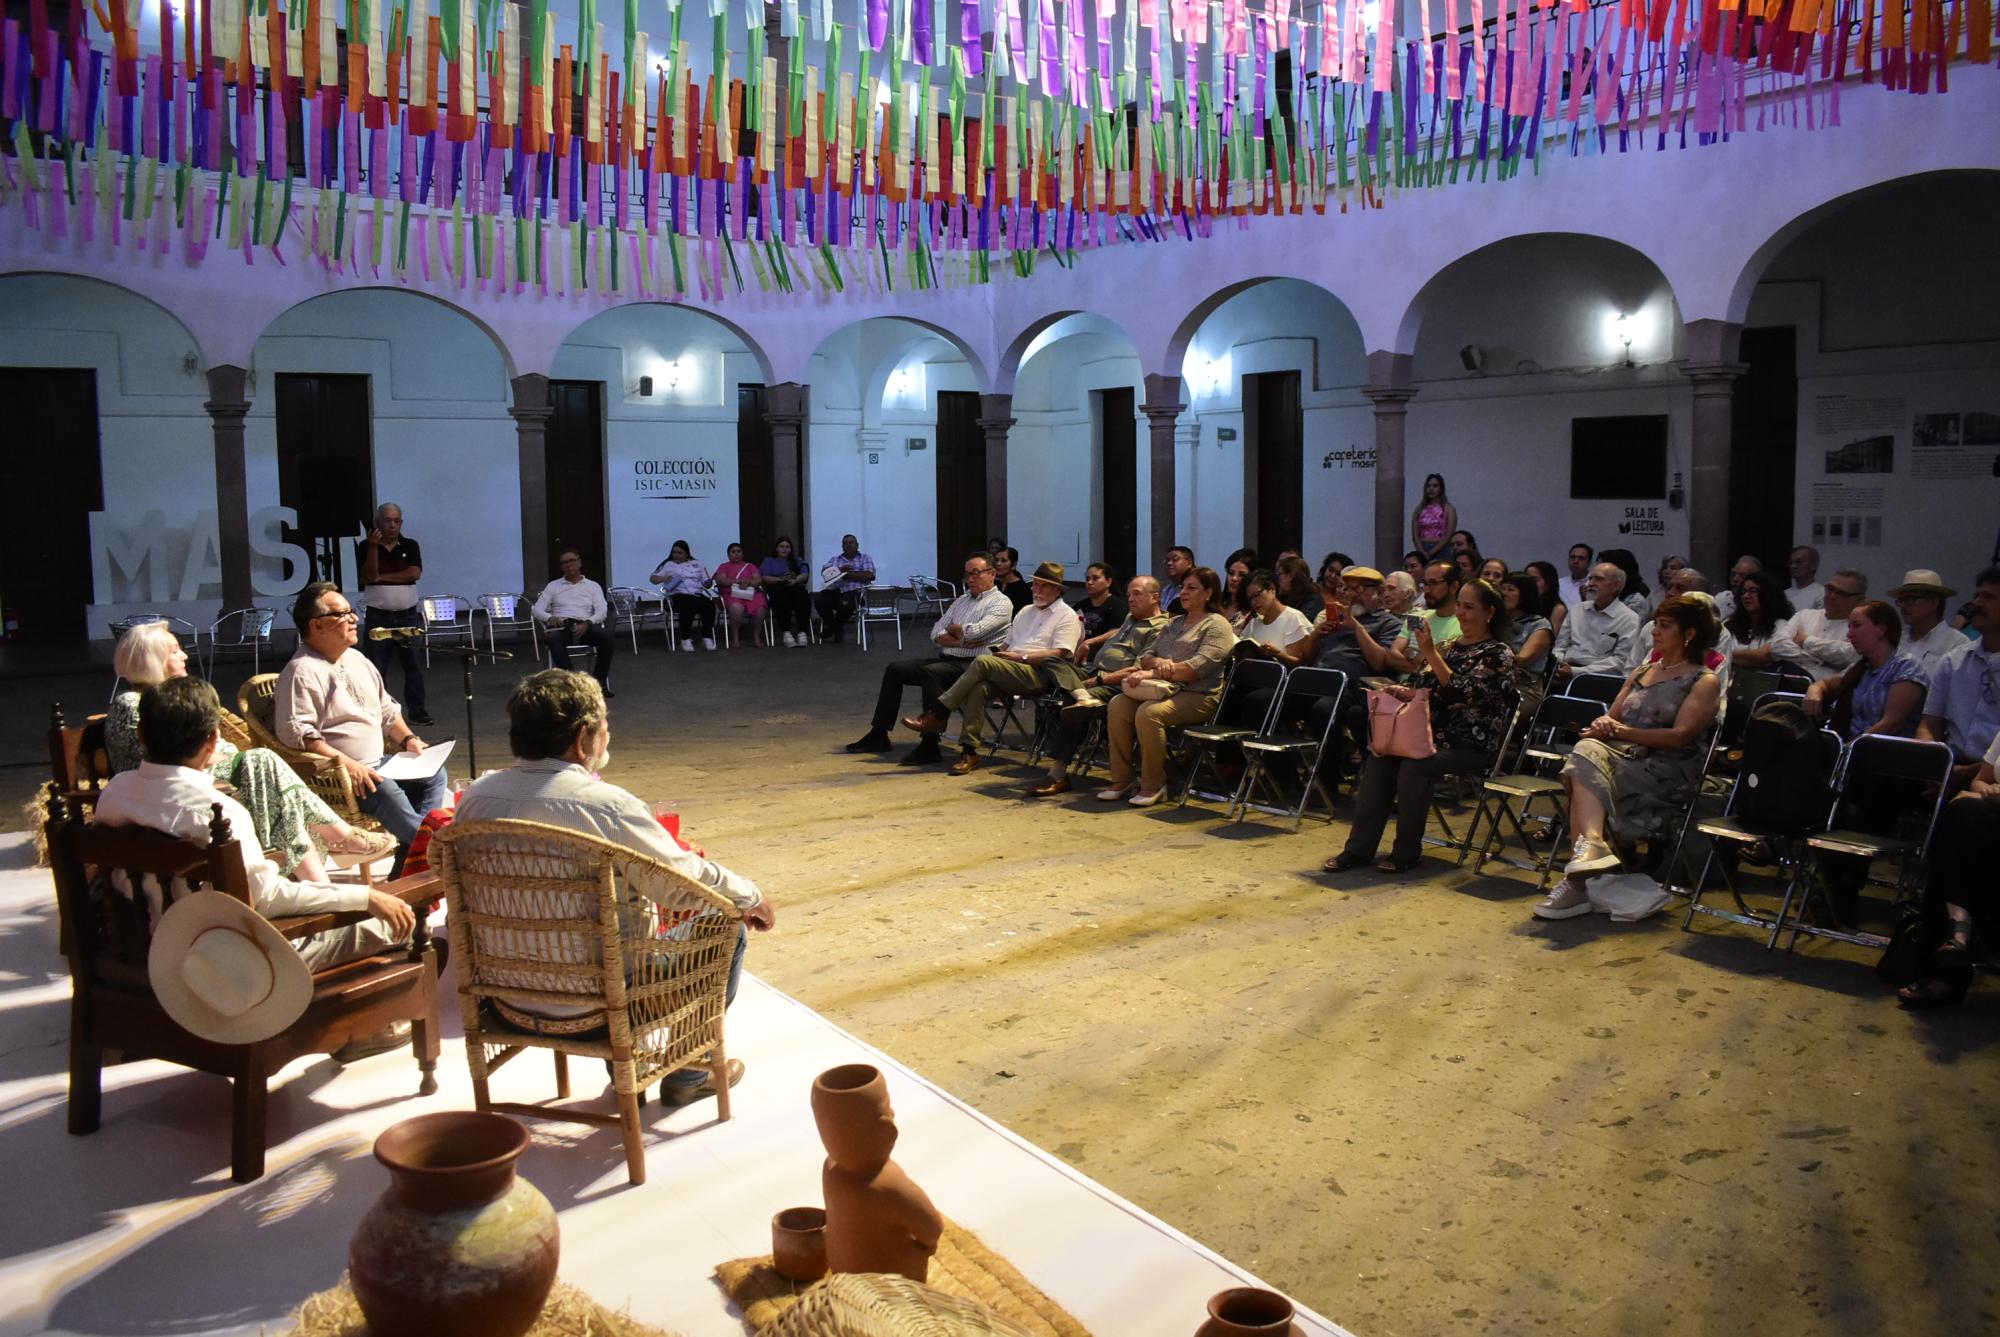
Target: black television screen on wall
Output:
[{"x": 1618, "y": 459}]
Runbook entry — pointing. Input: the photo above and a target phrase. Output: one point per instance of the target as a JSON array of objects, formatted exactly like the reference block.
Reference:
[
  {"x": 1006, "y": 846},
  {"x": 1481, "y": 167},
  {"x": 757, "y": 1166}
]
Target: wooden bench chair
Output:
[{"x": 107, "y": 936}]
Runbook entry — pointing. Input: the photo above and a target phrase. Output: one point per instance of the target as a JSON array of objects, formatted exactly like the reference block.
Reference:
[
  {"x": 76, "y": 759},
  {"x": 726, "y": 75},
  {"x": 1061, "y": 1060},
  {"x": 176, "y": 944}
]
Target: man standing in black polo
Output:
[{"x": 391, "y": 565}]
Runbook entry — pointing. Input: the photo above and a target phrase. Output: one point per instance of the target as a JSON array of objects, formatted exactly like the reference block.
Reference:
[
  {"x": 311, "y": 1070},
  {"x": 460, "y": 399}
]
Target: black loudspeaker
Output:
[{"x": 333, "y": 496}]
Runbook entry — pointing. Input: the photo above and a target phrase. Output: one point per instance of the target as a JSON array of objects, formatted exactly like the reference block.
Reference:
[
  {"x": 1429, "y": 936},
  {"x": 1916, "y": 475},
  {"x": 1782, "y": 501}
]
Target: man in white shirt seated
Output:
[
  {"x": 976, "y": 620},
  {"x": 1806, "y": 591},
  {"x": 1963, "y": 709},
  {"x": 1046, "y": 629},
  {"x": 1597, "y": 635},
  {"x": 573, "y": 611},
  {"x": 1921, "y": 601},
  {"x": 1815, "y": 639},
  {"x": 172, "y": 792},
  {"x": 559, "y": 731},
  {"x": 331, "y": 701}
]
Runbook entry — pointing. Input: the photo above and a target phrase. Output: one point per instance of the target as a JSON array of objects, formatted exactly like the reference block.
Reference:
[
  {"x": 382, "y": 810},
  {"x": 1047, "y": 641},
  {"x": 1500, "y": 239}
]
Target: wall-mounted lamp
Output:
[
  {"x": 645, "y": 387},
  {"x": 1621, "y": 330}
]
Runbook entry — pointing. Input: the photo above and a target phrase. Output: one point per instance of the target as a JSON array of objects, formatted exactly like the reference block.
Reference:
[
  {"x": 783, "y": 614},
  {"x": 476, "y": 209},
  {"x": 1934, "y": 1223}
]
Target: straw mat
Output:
[
  {"x": 568, "y": 1313},
  {"x": 963, "y": 1268}
]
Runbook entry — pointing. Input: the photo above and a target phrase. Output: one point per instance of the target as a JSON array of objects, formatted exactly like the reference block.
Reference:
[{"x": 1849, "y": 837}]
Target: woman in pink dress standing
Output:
[{"x": 1432, "y": 523}]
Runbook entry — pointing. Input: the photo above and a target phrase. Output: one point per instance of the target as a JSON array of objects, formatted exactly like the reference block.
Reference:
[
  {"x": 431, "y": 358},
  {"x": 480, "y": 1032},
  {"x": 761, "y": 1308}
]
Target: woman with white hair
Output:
[
  {"x": 1399, "y": 592},
  {"x": 292, "y": 822}
]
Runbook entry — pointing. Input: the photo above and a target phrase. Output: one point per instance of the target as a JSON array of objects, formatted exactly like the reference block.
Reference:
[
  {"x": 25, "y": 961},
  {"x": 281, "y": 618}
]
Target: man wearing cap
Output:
[
  {"x": 1963, "y": 709},
  {"x": 172, "y": 792},
  {"x": 1340, "y": 639},
  {"x": 1044, "y": 631},
  {"x": 1927, "y": 637},
  {"x": 976, "y": 620}
]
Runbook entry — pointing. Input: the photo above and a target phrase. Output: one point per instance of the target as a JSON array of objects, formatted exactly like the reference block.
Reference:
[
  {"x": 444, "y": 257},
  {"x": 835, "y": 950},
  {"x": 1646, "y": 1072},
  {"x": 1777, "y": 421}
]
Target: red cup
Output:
[{"x": 669, "y": 815}]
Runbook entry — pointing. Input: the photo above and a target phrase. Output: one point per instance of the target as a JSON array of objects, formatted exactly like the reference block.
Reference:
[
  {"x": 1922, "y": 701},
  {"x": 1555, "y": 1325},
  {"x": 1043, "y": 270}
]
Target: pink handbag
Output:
[{"x": 1400, "y": 728}]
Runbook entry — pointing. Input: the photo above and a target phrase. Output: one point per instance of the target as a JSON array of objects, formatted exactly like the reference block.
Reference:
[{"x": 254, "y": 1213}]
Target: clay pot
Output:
[
  {"x": 457, "y": 1246},
  {"x": 1247, "y": 1311},
  {"x": 798, "y": 1243}
]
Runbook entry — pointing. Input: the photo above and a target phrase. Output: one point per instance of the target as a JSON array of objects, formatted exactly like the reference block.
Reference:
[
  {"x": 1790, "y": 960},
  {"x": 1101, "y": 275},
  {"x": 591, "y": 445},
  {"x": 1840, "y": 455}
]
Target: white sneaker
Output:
[
  {"x": 1567, "y": 901},
  {"x": 805, "y": 639},
  {"x": 708, "y": 642},
  {"x": 687, "y": 645},
  {"x": 1591, "y": 856},
  {"x": 790, "y": 640}
]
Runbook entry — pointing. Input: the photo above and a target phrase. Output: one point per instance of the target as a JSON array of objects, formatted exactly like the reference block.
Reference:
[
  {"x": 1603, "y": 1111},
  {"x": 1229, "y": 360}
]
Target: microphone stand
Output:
[{"x": 467, "y": 656}]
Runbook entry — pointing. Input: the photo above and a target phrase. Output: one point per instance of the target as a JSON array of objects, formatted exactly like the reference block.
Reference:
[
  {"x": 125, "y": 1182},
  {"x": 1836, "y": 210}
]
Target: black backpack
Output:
[{"x": 1786, "y": 776}]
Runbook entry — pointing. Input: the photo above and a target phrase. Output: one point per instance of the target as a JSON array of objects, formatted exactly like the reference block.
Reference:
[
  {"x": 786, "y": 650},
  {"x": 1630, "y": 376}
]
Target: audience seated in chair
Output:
[
  {"x": 559, "y": 731},
  {"x": 173, "y": 791},
  {"x": 786, "y": 576},
  {"x": 1046, "y": 631},
  {"x": 1961, "y": 901},
  {"x": 574, "y": 611},
  {"x": 1635, "y": 769},
  {"x": 1761, "y": 617},
  {"x": 1745, "y": 567},
  {"x": 1274, "y": 627},
  {"x": 1805, "y": 590},
  {"x": 843, "y": 579},
  {"x": 743, "y": 601},
  {"x": 331, "y": 701},
  {"x": 1352, "y": 635},
  {"x": 1089, "y": 680},
  {"x": 1180, "y": 561},
  {"x": 1963, "y": 709},
  {"x": 684, "y": 583},
  {"x": 1815, "y": 640},
  {"x": 976, "y": 619},
  {"x": 1470, "y": 682},
  {"x": 1921, "y": 600},
  {"x": 1007, "y": 578},
  {"x": 1235, "y": 601},
  {"x": 1102, "y": 609},
  {"x": 1597, "y": 635},
  {"x": 1883, "y": 690},
  {"x": 1177, "y": 684},
  {"x": 291, "y": 821}
]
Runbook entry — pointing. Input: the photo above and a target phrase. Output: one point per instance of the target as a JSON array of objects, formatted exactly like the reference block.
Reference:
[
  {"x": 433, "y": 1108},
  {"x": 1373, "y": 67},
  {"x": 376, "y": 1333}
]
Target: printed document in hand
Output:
[{"x": 415, "y": 766}]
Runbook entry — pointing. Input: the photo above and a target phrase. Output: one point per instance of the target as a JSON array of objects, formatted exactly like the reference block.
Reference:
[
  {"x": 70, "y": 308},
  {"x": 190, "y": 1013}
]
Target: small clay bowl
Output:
[
  {"x": 798, "y": 1243},
  {"x": 1245, "y": 1310}
]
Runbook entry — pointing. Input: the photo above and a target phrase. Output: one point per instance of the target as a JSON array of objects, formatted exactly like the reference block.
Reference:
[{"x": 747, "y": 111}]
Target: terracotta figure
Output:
[{"x": 877, "y": 1220}]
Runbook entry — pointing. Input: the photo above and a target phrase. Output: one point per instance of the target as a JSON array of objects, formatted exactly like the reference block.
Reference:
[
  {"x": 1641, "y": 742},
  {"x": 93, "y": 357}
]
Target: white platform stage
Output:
[{"x": 137, "y": 1228}]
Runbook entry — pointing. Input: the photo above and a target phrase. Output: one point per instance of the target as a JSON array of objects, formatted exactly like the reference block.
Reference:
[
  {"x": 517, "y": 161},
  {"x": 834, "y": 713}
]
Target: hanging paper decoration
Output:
[{"x": 469, "y": 147}]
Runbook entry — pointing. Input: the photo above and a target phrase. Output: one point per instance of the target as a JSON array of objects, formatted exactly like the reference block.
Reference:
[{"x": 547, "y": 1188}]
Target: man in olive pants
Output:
[{"x": 1046, "y": 629}]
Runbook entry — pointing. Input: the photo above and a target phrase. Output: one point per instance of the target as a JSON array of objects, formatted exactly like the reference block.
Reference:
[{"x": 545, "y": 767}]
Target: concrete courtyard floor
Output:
[{"x": 1406, "y": 1101}]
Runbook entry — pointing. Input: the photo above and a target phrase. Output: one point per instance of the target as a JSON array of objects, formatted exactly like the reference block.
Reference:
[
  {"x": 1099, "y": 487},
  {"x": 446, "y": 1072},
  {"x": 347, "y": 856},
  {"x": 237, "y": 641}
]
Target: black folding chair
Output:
[
  {"x": 1599, "y": 687},
  {"x": 1245, "y": 677},
  {"x": 1785, "y": 845},
  {"x": 1906, "y": 780},
  {"x": 1451, "y": 840},
  {"x": 1550, "y": 738},
  {"x": 1301, "y": 747}
]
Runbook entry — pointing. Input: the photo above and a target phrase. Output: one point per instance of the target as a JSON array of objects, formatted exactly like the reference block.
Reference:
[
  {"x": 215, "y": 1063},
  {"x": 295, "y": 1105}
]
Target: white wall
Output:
[
  {"x": 444, "y": 448},
  {"x": 1055, "y": 494},
  {"x": 1913, "y": 332},
  {"x": 156, "y": 443},
  {"x": 670, "y": 461},
  {"x": 1540, "y": 312}
]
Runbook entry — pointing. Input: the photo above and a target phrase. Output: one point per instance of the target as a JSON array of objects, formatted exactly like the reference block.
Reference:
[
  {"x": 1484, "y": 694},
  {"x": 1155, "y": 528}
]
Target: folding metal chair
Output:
[
  {"x": 1302, "y": 748},
  {"x": 1600, "y": 687},
  {"x": 1550, "y": 737},
  {"x": 239, "y": 628},
  {"x": 1731, "y": 829},
  {"x": 1452, "y": 840},
  {"x": 514, "y": 612},
  {"x": 625, "y": 601},
  {"x": 447, "y": 617},
  {"x": 1001, "y": 711},
  {"x": 878, "y": 604},
  {"x": 931, "y": 595},
  {"x": 1246, "y": 676},
  {"x": 1920, "y": 772}
]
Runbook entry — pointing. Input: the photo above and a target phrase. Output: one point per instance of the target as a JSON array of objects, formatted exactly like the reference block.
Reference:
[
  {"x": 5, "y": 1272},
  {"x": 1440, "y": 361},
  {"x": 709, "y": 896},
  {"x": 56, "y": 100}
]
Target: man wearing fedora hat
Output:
[
  {"x": 1927, "y": 637},
  {"x": 976, "y": 620},
  {"x": 1963, "y": 709},
  {"x": 172, "y": 792},
  {"x": 1047, "y": 629}
]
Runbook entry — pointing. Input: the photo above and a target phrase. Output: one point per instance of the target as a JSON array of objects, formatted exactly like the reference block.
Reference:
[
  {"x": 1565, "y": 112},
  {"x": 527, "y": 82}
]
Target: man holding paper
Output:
[{"x": 331, "y": 700}]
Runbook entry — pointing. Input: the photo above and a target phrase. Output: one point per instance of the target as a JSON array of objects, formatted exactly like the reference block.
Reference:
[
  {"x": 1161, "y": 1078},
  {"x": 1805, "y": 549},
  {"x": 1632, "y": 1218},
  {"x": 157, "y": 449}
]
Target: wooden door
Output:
[
  {"x": 575, "y": 488},
  {"x": 756, "y": 474},
  {"x": 1273, "y": 462},
  {"x": 54, "y": 481},
  {"x": 961, "y": 483},
  {"x": 1118, "y": 481},
  {"x": 326, "y": 459},
  {"x": 1764, "y": 451}
]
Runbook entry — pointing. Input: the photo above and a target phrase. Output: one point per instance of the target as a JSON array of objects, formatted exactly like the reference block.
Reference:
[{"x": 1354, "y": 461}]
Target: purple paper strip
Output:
[
  {"x": 968, "y": 36},
  {"x": 378, "y": 164},
  {"x": 920, "y": 33},
  {"x": 878, "y": 23}
]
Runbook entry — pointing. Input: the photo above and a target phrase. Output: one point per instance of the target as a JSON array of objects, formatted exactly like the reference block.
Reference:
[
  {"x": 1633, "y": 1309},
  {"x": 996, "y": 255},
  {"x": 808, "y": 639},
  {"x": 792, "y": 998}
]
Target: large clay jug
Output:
[{"x": 458, "y": 1245}]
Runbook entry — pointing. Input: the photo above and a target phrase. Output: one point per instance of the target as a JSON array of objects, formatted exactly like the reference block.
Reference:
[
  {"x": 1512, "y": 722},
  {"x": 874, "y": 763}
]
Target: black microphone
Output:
[{"x": 395, "y": 633}]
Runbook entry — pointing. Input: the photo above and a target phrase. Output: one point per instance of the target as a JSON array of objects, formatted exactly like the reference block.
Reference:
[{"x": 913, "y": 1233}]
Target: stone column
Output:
[
  {"x": 787, "y": 410},
  {"x": 531, "y": 411},
  {"x": 996, "y": 417},
  {"x": 1163, "y": 408},
  {"x": 227, "y": 404},
  {"x": 1390, "y": 391},
  {"x": 1712, "y": 367}
]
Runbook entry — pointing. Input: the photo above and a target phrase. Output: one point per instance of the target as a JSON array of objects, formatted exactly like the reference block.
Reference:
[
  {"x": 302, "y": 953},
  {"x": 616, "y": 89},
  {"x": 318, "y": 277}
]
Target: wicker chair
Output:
[
  {"x": 257, "y": 703},
  {"x": 540, "y": 914}
]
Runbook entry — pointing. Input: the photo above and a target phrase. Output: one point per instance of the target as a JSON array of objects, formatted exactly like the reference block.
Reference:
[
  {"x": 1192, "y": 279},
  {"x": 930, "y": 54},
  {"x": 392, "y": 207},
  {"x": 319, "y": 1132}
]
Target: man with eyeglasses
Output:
[
  {"x": 1927, "y": 637},
  {"x": 1815, "y": 640},
  {"x": 1963, "y": 709},
  {"x": 975, "y": 620},
  {"x": 331, "y": 700}
]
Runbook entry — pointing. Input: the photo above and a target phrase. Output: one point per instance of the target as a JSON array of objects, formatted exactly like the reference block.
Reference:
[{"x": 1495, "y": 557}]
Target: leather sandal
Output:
[{"x": 1343, "y": 862}]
